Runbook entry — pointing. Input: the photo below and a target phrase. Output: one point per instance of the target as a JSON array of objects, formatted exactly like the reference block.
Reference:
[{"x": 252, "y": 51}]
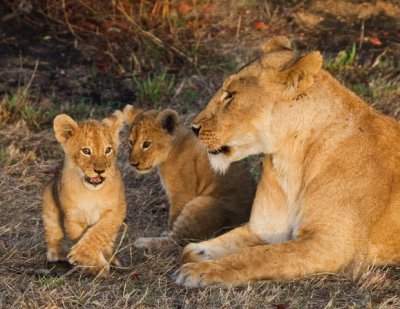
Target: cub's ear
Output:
[
  {"x": 300, "y": 76},
  {"x": 114, "y": 123},
  {"x": 276, "y": 44},
  {"x": 168, "y": 119},
  {"x": 64, "y": 127},
  {"x": 130, "y": 113}
]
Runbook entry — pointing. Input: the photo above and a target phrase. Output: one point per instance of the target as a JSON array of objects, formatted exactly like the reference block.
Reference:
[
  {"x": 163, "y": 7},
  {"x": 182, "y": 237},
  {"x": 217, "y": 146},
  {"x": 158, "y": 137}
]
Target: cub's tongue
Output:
[{"x": 96, "y": 179}]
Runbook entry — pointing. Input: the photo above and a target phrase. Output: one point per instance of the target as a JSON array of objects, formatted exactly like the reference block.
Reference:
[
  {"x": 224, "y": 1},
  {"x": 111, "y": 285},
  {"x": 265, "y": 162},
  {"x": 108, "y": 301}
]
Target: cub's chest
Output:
[{"x": 89, "y": 208}]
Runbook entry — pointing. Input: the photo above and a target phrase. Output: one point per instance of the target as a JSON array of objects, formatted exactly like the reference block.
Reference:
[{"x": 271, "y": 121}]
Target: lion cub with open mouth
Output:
[
  {"x": 203, "y": 203},
  {"x": 86, "y": 200}
]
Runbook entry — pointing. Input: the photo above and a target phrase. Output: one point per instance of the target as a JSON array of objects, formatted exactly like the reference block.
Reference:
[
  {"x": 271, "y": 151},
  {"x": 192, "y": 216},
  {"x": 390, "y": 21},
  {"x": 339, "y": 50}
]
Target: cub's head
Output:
[
  {"x": 237, "y": 121},
  {"x": 90, "y": 146},
  {"x": 151, "y": 136}
]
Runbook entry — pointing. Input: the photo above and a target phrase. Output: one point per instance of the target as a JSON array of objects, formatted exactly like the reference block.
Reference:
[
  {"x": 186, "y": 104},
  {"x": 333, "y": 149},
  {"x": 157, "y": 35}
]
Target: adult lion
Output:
[{"x": 329, "y": 196}]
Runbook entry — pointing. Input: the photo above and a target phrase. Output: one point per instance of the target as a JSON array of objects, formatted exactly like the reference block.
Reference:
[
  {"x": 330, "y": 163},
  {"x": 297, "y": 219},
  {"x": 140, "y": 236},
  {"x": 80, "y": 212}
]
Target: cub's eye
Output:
[
  {"x": 108, "y": 150},
  {"x": 130, "y": 143},
  {"x": 146, "y": 145},
  {"x": 86, "y": 151}
]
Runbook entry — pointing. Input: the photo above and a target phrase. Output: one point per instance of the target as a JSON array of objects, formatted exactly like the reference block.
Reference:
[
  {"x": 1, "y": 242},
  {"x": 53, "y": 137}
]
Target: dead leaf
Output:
[
  {"x": 375, "y": 41},
  {"x": 134, "y": 277},
  {"x": 184, "y": 8},
  {"x": 260, "y": 26},
  {"x": 280, "y": 306}
]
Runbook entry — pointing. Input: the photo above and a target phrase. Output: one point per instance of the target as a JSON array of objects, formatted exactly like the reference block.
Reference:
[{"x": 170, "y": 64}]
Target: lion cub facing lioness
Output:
[
  {"x": 86, "y": 199},
  {"x": 202, "y": 203}
]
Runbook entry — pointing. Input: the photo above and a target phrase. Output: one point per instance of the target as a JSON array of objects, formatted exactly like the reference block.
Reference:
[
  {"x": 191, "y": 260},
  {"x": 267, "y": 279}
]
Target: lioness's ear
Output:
[
  {"x": 64, "y": 127},
  {"x": 114, "y": 123},
  {"x": 300, "y": 76},
  {"x": 168, "y": 119},
  {"x": 130, "y": 113},
  {"x": 275, "y": 44}
]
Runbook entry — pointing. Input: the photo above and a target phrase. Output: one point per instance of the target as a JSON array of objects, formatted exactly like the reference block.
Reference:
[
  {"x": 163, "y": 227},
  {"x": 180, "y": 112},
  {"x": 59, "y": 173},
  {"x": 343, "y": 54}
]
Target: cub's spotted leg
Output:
[
  {"x": 88, "y": 251},
  {"x": 228, "y": 243},
  {"x": 281, "y": 261},
  {"x": 57, "y": 249}
]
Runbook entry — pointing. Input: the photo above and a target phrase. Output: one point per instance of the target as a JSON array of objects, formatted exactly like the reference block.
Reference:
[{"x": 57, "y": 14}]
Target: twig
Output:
[
  {"x": 120, "y": 67},
  {"x": 239, "y": 23},
  {"x": 120, "y": 241},
  {"x": 157, "y": 41},
  {"x": 362, "y": 34},
  {"x": 378, "y": 58},
  {"x": 67, "y": 21},
  {"x": 26, "y": 88}
]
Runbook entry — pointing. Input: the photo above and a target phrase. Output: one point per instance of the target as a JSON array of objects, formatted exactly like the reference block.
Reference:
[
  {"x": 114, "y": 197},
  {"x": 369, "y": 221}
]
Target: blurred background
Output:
[{"x": 81, "y": 54}]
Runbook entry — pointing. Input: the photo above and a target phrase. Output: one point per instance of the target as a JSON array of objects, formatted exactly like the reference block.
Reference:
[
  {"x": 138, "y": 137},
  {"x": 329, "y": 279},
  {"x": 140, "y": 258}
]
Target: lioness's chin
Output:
[
  {"x": 143, "y": 171},
  {"x": 220, "y": 162}
]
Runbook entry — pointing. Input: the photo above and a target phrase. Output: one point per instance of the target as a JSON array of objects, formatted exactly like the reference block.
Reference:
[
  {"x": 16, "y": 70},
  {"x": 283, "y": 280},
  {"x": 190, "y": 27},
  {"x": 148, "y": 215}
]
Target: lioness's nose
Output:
[
  {"x": 196, "y": 128},
  {"x": 99, "y": 171}
]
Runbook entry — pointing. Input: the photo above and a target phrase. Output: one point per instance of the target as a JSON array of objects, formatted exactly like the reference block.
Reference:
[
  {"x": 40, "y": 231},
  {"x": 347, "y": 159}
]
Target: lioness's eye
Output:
[
  {"x": 86, "y": 151},
  {"x": 229, "y": 96},
  {"x": 130, "y": 143},
  {"x": 146, "y": 144},
  {"x": 108, "y": 150}
]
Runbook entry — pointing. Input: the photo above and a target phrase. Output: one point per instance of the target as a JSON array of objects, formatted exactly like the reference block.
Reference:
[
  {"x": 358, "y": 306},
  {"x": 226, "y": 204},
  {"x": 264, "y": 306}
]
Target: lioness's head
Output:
[
  {"x": 151, "y": 136},
  {"x": 238, "y": 119},
  {"x": 90, "y": 146}
]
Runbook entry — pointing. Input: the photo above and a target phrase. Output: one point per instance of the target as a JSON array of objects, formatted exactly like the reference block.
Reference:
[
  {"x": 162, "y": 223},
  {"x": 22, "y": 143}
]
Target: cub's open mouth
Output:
[
  {"x": 95, "y": 181},
  {"x": 223, "y": 149}
]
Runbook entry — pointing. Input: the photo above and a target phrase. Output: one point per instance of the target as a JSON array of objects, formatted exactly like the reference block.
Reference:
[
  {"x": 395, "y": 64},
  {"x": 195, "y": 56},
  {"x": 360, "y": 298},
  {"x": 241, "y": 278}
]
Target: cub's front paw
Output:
[
  {"x": 193, "y": 275},
  {"x": 91, "y": 262},
  {"x": 115, "y": 261},
  {"x": 195, "y": 253},
  {"x": 166, "y": 234},
  {"x": 152, "y": 242},
  {"x": 56, "y": 254}
]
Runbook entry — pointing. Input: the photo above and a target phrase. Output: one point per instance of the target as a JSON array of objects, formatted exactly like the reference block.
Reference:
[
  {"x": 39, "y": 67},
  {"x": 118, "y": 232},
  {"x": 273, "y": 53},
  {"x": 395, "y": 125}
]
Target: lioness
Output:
[
  {"x": 329, "y": 196},
  {"x": 202, "y": 202},
  {"x": 86, "y": 200}
]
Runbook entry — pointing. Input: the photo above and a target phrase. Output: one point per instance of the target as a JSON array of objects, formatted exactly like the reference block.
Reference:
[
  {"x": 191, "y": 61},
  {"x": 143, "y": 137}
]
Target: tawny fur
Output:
[
  {"x": 329, "y": 197},
  {"x": 90, "y": 214},
  {"x": 203, "y": 203}
]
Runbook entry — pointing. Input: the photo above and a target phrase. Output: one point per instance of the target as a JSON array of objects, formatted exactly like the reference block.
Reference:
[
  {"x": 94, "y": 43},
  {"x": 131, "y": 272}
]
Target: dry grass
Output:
[
  {"x": 215, "y": 38},
  {"x": 144, "y": 281}
]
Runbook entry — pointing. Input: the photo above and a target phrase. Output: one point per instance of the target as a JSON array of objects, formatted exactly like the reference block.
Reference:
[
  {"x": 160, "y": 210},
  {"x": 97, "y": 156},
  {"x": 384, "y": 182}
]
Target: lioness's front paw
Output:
[
  {"x": 91, "y": 262},
  {"x": 195, "y": 253},
  {"x": 193, "y": 275}
]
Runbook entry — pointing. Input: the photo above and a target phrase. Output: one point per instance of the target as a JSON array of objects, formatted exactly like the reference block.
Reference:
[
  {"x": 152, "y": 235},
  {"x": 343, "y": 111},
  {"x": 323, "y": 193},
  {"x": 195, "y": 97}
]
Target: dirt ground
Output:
[{"x": 88, "y": 74}]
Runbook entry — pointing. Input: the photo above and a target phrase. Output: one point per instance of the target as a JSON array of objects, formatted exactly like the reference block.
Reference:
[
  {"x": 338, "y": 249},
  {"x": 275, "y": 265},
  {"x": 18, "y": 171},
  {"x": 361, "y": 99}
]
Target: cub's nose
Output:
[
  {"x": 135, "y": 164},
  {"x": 99, "y": 171},
  {"x": 196, "y": 128}
]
